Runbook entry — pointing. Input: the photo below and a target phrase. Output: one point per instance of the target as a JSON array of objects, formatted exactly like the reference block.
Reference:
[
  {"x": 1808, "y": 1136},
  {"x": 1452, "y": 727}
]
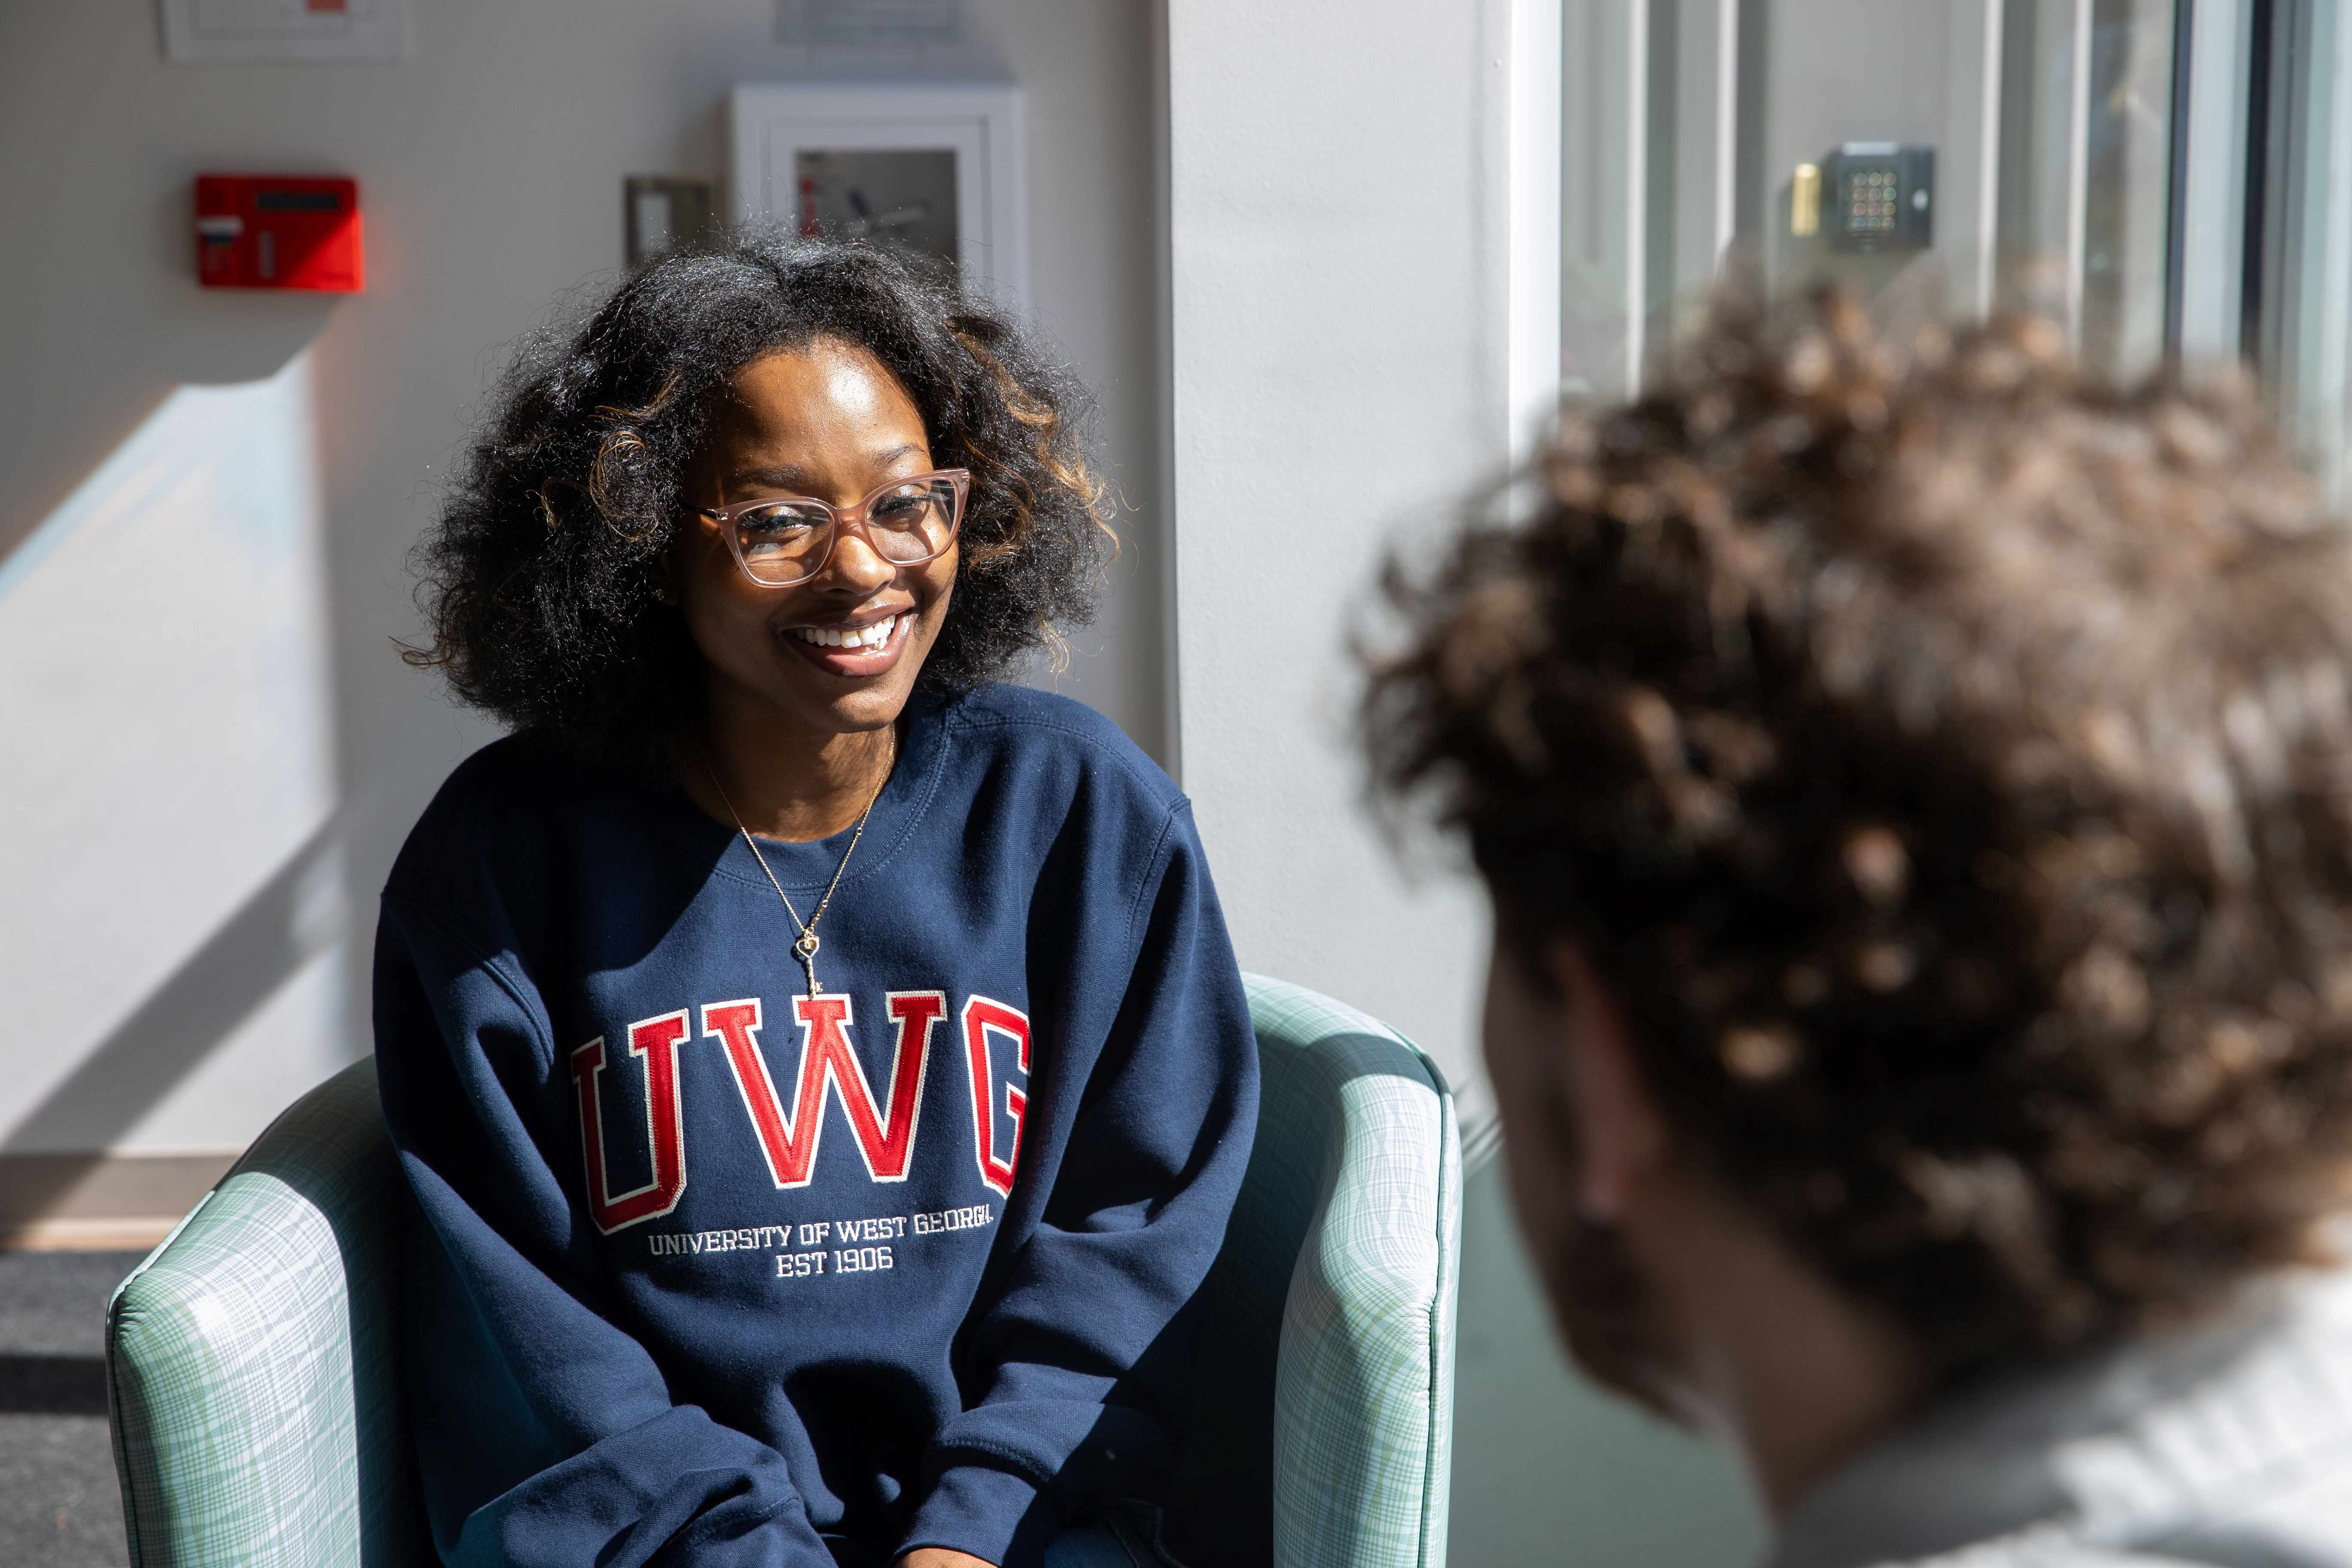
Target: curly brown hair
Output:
[
  {"x": 538, "y": 580},
  {"x": 1948, "y": 760}
]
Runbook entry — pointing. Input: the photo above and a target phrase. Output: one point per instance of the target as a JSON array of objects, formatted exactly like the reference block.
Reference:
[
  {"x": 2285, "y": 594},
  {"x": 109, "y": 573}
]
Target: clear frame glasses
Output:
[{"x": 780, "y": 540}]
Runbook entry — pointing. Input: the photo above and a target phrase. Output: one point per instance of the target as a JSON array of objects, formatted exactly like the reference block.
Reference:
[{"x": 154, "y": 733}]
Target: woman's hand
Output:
[{"x": 941, "y": 1557}]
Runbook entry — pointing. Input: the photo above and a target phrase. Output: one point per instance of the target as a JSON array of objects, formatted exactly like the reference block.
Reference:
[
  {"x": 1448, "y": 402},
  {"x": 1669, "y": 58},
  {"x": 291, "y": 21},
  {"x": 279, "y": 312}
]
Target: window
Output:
[{"x": 2161, "y": 177}]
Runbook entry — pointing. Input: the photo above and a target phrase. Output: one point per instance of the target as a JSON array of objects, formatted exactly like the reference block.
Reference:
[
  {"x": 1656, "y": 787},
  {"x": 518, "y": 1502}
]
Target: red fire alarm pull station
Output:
[{"x": 279, "y": 231}]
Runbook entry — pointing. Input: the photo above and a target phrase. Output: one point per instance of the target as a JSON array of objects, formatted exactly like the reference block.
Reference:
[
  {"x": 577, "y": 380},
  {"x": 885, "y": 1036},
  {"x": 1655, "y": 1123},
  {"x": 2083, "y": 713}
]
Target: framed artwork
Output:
[
  {"x": 660, "y": 211},
  {"x": 200, "y": 30},
  {"x": 935, "y": 168}
]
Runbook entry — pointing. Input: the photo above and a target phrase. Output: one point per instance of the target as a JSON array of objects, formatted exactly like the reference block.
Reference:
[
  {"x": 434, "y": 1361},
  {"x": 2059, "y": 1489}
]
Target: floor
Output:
[{"x": 58, "y": 1503}]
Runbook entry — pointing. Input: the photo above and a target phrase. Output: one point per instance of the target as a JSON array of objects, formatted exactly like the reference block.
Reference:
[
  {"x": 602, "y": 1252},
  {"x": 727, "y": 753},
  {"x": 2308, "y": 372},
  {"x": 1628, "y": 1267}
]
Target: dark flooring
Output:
[{"x": 59, "y": 1506}]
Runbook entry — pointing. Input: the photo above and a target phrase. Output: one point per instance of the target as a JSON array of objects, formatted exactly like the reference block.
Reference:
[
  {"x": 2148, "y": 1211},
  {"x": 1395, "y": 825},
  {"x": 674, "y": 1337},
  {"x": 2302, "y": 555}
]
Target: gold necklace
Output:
[{"x": 804, "y": 946}]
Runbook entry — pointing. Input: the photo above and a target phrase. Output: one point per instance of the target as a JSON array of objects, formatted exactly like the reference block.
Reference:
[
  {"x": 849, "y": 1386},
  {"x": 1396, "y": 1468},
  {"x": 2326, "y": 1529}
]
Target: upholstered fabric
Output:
[
  {"x": 255, "y": 1411},
  {"x": 249, "y": 1359},
  {"x": 1323, "y": 1433},
  {"x": 1363, "y": 1405}
]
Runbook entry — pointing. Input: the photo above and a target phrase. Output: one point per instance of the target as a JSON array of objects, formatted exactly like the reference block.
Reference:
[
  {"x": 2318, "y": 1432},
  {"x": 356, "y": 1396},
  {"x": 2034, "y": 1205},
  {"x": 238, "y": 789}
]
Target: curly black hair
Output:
[
  {"x": 1946, "y": 759},
  {"x": 538, "y": 580}
]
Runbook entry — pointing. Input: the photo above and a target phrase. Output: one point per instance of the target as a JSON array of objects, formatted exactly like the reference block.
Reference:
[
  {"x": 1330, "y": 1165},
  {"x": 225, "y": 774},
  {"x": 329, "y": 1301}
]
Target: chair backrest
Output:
[
  {"x": 1324, "y": 1434},
  {"x": 252, "y": 1359}
]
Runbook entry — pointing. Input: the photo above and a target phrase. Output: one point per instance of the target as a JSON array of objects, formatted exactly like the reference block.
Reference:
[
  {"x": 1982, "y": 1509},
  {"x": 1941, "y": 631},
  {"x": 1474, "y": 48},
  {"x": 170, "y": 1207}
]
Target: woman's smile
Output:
[{"x": 857, "y": 647}]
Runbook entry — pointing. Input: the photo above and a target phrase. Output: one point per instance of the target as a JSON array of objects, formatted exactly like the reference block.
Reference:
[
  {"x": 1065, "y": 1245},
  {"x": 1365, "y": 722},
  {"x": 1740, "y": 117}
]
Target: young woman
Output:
[{"x": 821, "y": 1072}]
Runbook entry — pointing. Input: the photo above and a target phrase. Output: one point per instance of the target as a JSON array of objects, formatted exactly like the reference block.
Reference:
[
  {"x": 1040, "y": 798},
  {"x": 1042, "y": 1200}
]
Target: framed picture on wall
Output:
[
  {"x": 196, "y": 31},
  {"x": 936, "y": 168}
]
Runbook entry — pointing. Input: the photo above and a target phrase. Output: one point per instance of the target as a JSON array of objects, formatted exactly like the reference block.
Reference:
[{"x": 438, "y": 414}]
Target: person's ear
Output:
[{"x": 1621, "y": 1134}]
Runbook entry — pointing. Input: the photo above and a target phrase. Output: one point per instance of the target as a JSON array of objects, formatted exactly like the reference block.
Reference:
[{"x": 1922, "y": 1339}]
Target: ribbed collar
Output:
[
  {"x": 808, "y": 867},
  {"x": 2110, "y": 1449}
]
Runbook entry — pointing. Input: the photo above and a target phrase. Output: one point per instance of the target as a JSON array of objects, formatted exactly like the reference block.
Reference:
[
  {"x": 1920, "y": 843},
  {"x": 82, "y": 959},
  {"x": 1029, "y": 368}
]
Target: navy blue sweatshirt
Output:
[{"x": 705, "y": 1271}]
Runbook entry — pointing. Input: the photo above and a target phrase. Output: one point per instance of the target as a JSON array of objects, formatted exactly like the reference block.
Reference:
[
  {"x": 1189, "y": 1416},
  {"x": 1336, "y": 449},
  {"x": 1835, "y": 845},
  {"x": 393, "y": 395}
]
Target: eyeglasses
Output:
[{"x": 782, "y": 540}]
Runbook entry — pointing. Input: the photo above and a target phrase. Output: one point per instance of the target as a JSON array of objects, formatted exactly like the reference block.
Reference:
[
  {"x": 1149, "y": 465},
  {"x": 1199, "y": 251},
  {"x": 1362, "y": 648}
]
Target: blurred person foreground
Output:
[{"x": 1915, "y": 787}]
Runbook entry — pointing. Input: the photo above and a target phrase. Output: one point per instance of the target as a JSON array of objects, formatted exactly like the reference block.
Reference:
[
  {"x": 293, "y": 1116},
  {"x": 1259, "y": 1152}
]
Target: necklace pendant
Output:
[{"x": 804, "y": 946}]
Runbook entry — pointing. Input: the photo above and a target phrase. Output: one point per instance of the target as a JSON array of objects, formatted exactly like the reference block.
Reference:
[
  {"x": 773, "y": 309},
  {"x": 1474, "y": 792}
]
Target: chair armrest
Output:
[
  {"x": 250, "y": 1370},
  {"x": 1364, "y": 1384}
]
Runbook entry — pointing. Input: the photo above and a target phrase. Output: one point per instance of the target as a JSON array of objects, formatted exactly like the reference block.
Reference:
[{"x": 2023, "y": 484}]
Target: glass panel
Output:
[
  {"x": 1602, "y": 163},
  {"x": 2156, "y": 174},
  {"x": 2007, "y": 151},
  {"x": 1883, "y": 97},
  {"x": 892, "y": 196},
  {"x": 2086, "y": 172},
  {"x": 2128, "y": 188},
  {"x": 2299, "y": 281}
]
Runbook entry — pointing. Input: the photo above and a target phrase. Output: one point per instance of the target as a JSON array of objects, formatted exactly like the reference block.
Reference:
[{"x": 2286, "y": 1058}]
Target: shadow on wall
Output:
[
  {"x": 297, "y": 916},
  {"x": 174, "y": 853},
  {"x": 120, "y": 380}
]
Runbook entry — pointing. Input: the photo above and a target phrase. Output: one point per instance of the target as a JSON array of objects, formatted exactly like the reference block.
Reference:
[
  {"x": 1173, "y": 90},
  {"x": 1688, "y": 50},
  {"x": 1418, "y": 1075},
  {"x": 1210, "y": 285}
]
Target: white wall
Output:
[{"x": 211, "y": 751}]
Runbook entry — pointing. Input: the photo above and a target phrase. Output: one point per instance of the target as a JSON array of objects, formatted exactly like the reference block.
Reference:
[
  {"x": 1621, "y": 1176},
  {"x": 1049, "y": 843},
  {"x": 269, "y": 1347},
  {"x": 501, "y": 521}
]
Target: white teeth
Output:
[{"x": 875, "y": 635}]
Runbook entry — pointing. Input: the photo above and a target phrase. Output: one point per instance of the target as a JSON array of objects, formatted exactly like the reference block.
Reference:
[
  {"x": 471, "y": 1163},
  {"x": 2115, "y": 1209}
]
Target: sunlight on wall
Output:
[{"x": 164, "y": 633}]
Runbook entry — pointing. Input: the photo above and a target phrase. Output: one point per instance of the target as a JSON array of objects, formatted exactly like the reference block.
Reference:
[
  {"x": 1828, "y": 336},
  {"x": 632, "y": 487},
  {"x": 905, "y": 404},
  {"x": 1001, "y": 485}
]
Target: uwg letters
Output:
[{"x": 885, "y": 1127}]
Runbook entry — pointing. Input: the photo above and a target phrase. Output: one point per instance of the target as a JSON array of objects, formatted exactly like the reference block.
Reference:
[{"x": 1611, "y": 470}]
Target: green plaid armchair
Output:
[{"x": 251, "y": 1374}]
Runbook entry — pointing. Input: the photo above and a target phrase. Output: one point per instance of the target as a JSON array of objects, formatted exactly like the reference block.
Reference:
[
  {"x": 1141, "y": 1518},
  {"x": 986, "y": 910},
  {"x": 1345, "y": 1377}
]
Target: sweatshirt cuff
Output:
[{"x": 991, "y": 1514}]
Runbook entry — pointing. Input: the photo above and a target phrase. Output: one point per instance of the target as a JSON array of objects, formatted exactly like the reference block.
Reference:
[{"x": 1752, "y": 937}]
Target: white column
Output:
[
  {"x": 1342, "y": 292},
  {"x": 1533, "y": 129}
]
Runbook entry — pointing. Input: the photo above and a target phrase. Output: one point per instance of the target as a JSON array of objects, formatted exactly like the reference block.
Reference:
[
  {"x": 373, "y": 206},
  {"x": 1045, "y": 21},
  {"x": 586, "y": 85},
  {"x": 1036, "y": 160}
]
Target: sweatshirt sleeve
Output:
[
  {"x": 545, "y": 1434},
  {"x": 1074, "y": 1358}
]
